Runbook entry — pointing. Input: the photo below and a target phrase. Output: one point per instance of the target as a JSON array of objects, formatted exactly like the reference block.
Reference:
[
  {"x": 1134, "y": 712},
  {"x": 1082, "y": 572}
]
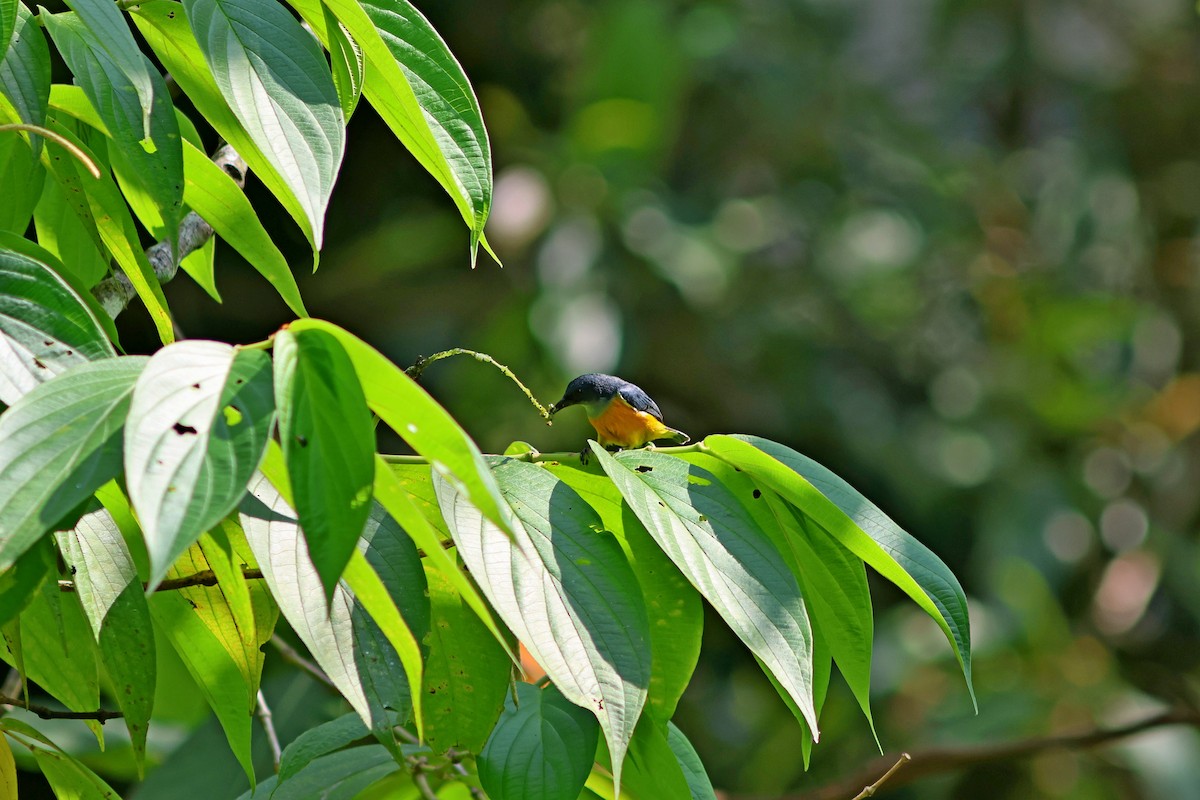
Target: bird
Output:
[{"x": 623, "y": 415}]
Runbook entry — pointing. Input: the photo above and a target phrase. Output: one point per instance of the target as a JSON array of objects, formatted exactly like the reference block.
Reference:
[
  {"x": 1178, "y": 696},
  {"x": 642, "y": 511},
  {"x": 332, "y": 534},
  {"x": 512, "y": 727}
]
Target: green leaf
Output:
[
  {"x": 58, "y": 444},
  {"x": 165, "y": 28},
  {"x": 200, "y": 265},
  {"x": 693, "y": 770},
  {"x": 398, "y": 499},
  {"x": 8, "y": 770},
  {"x": 23, "y": 179},
  {"x": 420, "y": 91},
  {"x": 713, "y": 540},
  {"x": 25, "y": 74},
  {"x": 110, "y": 32},
  {"x": 113, "y": 222},
  {"x": 328, "y": 737},
  {"x": 419, "y": 420},
  {"x": 212, "y": 194},
  {"x": 70, "y": 778},
  {"x": 8, "y": 24},
  {"x": 19, "y": 582},
  {"x": 199, "y": 422},
  {"x": 861, "y": 528},
  {"x": 652, "y": 772},
  {"x": 346, "y": 58},
  {"x": 466, "y": 674},
  {"x": 107, "y": 585},
  {"x": 58, "y": 651},
  {"x": 541, "y": 749},
  {"x": 202, "y": 628},
  {"x": 347, "y": 644},
  {"x": 147, "y": 148},
  {"x": 337, "y": 776},
  {"x": 274, "y": 77},
  {"x": 62, "y": 231},
  {"x": 45, "y": 327},
  {"x": 328, "y": 441},
  {"x": 674, "y": 607},
  {"x": 564, "y": 587}
]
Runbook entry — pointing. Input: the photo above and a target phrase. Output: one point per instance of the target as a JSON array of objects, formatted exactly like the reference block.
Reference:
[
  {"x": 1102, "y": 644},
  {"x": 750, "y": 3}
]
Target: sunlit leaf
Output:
[
  {"x": 541, "y": 749},
  {"x": 564, "y": 587},
  {"x": 8, "y": 770},
  {"x": 74, "y": 242},
  {"x": 716, "y": 544},
  {"x": 275, "y": 79},
  {"x": 346, "y": 59},
  {"x": 58, "y": 650},
  {"x": 199, "y": 423},
  {"x": 58, "y": 444}
]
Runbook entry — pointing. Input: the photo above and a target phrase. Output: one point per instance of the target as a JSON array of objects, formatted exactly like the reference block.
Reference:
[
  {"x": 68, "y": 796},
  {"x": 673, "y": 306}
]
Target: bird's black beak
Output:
[{"x": 559, "y": 406}]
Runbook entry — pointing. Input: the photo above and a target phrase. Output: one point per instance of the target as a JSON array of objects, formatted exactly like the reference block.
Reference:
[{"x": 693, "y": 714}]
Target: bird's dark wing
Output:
[{"x": 639, "y": 400}]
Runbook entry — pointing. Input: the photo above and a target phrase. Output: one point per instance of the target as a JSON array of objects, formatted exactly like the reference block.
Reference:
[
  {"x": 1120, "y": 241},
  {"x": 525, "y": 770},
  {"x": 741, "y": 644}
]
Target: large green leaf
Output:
[
  {"x": 102, "y": 203},
  {"x": 674, "y": 606},
  {"x": 336, "y": 776},
  {"x": 328, "y": 440},
  {"x": 58, "y": 444},
  {"x": 346, "y": 59},
  {"x": 8, "y": 23},
  {"x": 565, "y": 588},
  {"x": 62, "y": 231},
  {"x": 107, "y": 585},
  {"x": 104, "y": 21},
  {"x": 71, "y": 778},
  {"x": 8, "y": 770},
  {"x": 326, "y": 738},
  {"x": 541, "y": 749},
  {"x": 212, "y": 194},
  {"x": 419, "y": 420},
  {"x": 19, "y": 582},
  {"x": 165, "y": 28},
  {"x": 199, "y": 422},
  {"x": 25, "y": 74},
  {"x": 45, "y": 328},
  {"x": 275, "y": 79},
  {"x": 652, "y": 771},
  {"x": 466, "y": 674},
  {"x": 693, "y": 770},
  {"x": 347, "y": 644},
  {"x": 715, "y": 542},
  {"x": 23, "y": 178},
  {"x": 420, "y": 91},
  {"x": 57, "y": 648},
  {"x": 861, "y": 528},
  {"x": 146, "y": 141}
]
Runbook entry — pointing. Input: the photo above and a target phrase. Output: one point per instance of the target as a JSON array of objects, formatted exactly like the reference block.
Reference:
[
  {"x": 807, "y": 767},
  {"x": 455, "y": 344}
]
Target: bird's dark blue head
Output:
[{"x": 593, "y": 389}]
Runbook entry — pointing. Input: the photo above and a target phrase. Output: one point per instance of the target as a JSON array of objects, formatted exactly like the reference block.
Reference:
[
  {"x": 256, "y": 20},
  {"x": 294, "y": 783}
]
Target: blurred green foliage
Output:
[{"x": 947, "y": 248}]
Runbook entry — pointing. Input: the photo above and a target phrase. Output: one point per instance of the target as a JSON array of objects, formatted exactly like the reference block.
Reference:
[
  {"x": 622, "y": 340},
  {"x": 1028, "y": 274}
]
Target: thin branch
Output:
[
  {"x": 268, "y": 722},
  {"x": 939, "y": 760},
  {"x": 204, "y": 577},
  {"x": 292, "y": 656},
  {"x": 59, "y": 140},
  {"x": 101, "y": 714},
  {"x": 422, "y": 784},
  {"x": 534, "y": 457},
  {"x": 114, "y": 292},
  {"x": 869, "y": 791},
  {"x": 416, "y": 369}
]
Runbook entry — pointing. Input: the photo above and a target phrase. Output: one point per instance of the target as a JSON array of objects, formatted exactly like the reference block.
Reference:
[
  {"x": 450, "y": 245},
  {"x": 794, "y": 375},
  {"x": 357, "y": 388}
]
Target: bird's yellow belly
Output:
[{"x": 624, "y": 426}]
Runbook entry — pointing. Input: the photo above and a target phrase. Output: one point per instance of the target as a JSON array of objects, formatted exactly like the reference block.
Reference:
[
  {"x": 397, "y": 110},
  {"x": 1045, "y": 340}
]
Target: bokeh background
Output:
[{"x": 946, "y": 247}]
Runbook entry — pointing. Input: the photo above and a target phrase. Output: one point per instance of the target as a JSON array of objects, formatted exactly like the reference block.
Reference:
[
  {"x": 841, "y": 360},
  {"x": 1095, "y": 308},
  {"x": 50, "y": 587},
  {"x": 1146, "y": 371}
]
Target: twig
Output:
[
  {"x": 268, "y": 722},
  {"x": 101, "y": 714},
  {"x": 114, "y": 292},
  {"x": 869, "y": 791},
  {"x": 202, "y": 578},
  {"x": 293, "y": 657},
  {"x": 416, "y": 369},
  {"x": 59, "y": 140},
  {"x": 938, "y": 760},
  {"x": 422, "y": 784}
]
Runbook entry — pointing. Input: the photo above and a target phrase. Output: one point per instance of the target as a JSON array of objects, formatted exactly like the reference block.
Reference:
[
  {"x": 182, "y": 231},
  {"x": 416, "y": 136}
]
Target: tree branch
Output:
[
  {"x": 416, "y": 369},
  {"x": 101, "y": 714},
  {"x": 114, "y": 292},
  {"x": 204, "y": 577},
  {"x": 938, "y": 760},
  {"x": 268, "y": 722}
]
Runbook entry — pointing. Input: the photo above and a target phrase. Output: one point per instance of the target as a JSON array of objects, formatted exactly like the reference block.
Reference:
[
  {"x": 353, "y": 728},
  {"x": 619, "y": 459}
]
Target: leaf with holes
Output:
[
  {"x": 199, "y": 422},
  {"x": 565, "y": 588},
  {"x": 45, "y": 327},
  {"x": 715, "y": 542},
  {"x": 58, "y": 444}
]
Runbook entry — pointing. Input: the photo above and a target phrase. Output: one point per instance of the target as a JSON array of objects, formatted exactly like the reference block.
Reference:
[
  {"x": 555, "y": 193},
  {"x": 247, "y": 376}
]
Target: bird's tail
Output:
[{"x": 679, "y": 437}]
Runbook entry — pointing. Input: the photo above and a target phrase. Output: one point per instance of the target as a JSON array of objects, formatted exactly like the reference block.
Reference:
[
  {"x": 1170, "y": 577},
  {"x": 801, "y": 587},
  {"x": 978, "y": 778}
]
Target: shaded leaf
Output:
[
  {"x": 328, "y": 737},
  {"x": 337, "y": 776},
  {"x": 199, "y": 423},
  {"x": 274, "y": 78},
  {"x": 328, "y": 442},
  {"x": 693, "y": 770},
  {"x": 541, "y": 749},
  {"x": 23, "y": 179},
  {"x": 564, "y": 587},
  {"x": 19, "y": 582},
  {"x": 58, "y": 444},
  {"x": 25, "y": 74},
  {"x": 62, "y": 231},
  {"x": 8, "y": 770},
  {"x": 57, "y": 648}
]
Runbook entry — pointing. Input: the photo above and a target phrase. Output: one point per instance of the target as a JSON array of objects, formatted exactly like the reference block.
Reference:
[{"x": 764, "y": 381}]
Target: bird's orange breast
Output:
[{"x": 623, "y": 425}]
